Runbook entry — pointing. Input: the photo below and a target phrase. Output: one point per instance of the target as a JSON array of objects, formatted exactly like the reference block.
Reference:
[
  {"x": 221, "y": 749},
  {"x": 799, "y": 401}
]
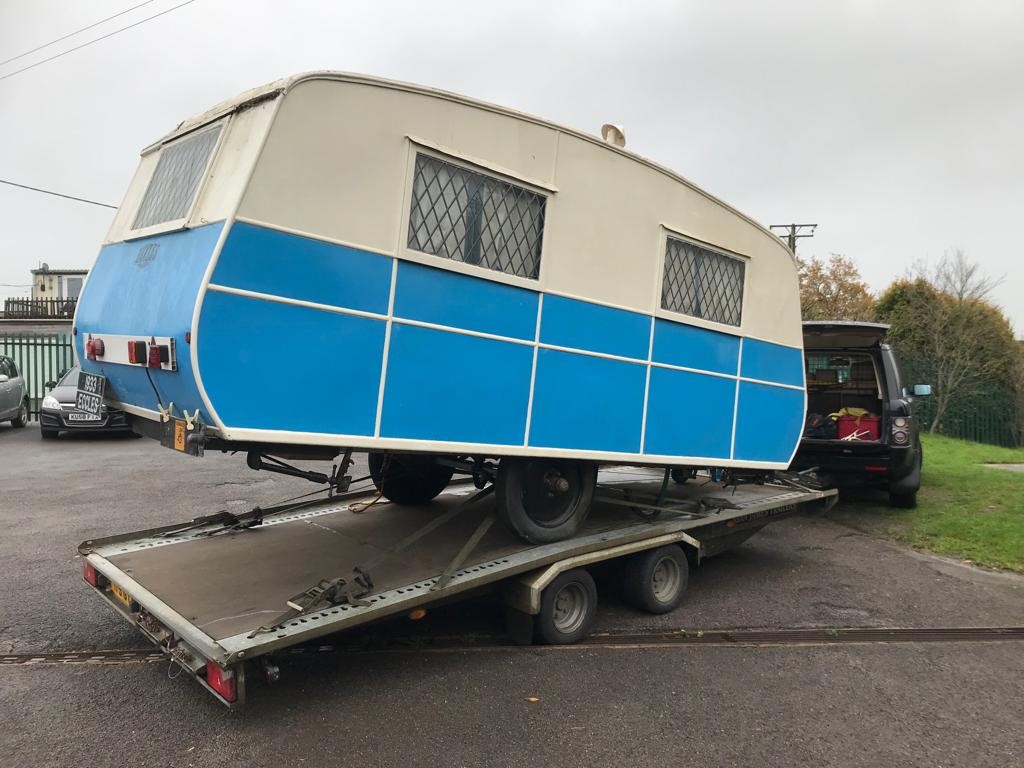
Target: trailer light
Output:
[
  {"x": 900, "y": 422},
  {"x": 874, "y": 468},
  {"x": 416, "y": 614},
  {"x": 900, "y": 437},
  {"x": 158, "y": 355},
  {"x": 221, "y": 680},
  {"x": 94, "y": 577},
  {"x": 94, "y": 348},
  {"x": 137, "y": 352}
]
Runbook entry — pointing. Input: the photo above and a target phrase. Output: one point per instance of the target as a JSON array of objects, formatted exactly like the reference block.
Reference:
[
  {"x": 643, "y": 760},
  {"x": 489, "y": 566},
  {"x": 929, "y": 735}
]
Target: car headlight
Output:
[{"x": 51, "y": 403}]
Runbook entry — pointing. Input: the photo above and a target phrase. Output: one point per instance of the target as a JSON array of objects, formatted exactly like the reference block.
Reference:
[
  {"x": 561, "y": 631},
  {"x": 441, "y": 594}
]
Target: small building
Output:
[{"x": 57, "y": 284}]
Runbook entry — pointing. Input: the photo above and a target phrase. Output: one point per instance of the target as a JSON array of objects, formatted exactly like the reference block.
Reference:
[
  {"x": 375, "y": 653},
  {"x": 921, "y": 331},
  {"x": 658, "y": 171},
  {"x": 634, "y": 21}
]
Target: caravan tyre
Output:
[
  {"x": 545, "y": 500},
  {"x": 410, "y": 478}
]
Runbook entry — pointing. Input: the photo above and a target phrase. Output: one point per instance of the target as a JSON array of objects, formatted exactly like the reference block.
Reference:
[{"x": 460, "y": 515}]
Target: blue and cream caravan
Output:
[{"x": 337, "y": 262}]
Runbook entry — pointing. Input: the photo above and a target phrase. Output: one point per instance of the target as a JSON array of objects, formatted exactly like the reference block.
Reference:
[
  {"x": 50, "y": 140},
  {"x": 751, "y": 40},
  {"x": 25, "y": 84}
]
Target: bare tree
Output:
[{"x": 957, "y": 276}]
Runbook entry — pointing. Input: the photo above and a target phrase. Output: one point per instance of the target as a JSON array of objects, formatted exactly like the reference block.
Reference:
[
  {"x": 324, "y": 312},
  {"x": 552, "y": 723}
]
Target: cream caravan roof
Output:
[{"x": 283, "y": 85}]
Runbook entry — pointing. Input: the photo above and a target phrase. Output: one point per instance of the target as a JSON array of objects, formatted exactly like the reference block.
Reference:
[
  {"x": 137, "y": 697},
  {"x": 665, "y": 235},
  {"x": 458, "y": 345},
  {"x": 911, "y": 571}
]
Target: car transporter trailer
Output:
[{"x": 225, "y": 592}]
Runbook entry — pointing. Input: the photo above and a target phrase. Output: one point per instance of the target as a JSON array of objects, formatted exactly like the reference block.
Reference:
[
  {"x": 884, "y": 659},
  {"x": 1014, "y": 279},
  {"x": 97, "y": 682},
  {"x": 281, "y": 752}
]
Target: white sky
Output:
[{"x": 897, "y": 127}]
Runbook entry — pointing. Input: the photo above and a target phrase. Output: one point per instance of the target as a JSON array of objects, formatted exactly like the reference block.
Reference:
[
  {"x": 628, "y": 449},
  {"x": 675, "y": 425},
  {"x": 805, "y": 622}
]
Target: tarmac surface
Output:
[{"x": 486, "y": 703}]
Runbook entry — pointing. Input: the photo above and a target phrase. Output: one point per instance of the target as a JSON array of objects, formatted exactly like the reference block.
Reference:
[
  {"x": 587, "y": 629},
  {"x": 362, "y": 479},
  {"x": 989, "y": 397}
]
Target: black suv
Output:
[{"x": 860, "y": 427}]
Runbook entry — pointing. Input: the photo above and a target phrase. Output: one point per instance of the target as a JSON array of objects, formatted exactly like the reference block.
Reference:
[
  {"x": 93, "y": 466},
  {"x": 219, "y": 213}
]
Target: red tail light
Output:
[
  {"x": 94, "y": 577},
  {"x": 94, "y": 348},
  {"x": 158, "y": 354},
  {"x": 137, "y": 352},
  {"x": 221, "y": 680}
]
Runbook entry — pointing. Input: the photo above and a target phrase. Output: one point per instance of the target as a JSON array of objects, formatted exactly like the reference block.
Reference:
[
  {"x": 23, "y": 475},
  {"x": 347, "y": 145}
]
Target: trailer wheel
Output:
[
  {"x": 655, "y": 581},
  {"x": 568, "y": 608},
  {"x": 545, "y": 500},
  {"x": 408, "y": 479}
]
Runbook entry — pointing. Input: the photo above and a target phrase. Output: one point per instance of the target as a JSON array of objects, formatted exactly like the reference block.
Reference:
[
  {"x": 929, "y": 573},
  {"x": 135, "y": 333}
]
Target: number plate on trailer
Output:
[
  {"x": 121, "y": 595},
  {"x": 80, "y": 416},
  {"x": 89, "y": 397}
]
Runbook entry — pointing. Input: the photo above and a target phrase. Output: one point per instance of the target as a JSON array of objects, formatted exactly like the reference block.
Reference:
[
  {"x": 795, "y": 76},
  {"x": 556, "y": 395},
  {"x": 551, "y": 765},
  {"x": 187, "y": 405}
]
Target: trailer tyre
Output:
[
  {"x": 655, "y": 581},
  {"x": 568, "y": 608},
  {"x": 408, "y": 479},
  {"x": 545, "y": 500}
]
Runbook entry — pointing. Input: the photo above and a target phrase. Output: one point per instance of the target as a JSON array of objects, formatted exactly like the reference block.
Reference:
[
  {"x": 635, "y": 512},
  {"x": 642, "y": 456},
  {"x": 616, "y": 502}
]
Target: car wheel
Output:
[
  {"x": 48, "y": 434},
  {"x": 21, "y": 419},
  {"x": 409, "y": 479},
  {"x": 903, "y": 500}
]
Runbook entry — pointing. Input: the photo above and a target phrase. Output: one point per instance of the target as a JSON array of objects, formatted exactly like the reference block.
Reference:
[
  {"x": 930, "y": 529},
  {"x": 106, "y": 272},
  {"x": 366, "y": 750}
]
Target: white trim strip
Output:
[
  {"x": 370, "y": 443},
  {"x": 387, "y": 348},
  {"x": 771, "y": 383},
  {"x": 533, "y": 370},
  {"x": 647, "y": 387},
  {"x": 736, "y": 403},
  {"x": 693, "y": 370},
  {"x": 294, "y": 302}
]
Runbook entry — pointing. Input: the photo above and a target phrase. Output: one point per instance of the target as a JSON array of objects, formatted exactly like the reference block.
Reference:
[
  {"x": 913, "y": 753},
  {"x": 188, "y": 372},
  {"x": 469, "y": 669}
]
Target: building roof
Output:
[{"x": 54, "y": 271}]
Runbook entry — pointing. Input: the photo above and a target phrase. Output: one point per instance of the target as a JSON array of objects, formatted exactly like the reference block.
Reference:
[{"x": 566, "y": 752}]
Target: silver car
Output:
[{"x": 13, "y": 399}]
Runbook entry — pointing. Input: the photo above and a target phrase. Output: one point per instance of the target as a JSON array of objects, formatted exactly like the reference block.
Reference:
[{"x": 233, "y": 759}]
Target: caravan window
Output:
[
  {"x": 467, "y": 216},
  {"x": 176, "y": 179},
  {"x": 702, "y": 283}
]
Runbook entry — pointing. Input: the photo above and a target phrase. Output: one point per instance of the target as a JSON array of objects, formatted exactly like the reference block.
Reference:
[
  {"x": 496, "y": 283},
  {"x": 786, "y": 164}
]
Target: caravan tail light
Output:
[
  {"x": 94, "y": 348},
  {"x": 221, "y": 680},
  {"x": 137, "y": 352},
  {"x": 158, "y": 355}
]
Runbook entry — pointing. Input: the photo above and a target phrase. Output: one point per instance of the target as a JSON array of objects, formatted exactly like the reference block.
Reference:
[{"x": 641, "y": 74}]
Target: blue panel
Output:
[
  {"x": 692, "y": 347},
  {"x": 460, "y": 301},
  {"x": 689, "y": 414},
  {"x": 148, "y": 287},
  {"x": 769, "y": 422},
  {"x": 587, "y": 403},
  {"x": 457, "y": 388},
  {"x": 772, "y": 362},
  {"x": 582, "y": 325},
  {"x": 268, "y": 365},
  {"x": 269, "y": 261}
]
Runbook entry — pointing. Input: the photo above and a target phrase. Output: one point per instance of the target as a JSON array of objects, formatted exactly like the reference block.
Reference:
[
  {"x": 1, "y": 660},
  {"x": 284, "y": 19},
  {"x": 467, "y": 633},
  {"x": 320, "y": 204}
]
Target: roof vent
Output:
[{"x": 613, "y": 134}]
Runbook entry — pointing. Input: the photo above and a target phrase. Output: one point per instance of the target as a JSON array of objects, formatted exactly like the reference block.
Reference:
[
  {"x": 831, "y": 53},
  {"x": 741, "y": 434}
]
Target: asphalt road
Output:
[{"x": 945, "y": 704}]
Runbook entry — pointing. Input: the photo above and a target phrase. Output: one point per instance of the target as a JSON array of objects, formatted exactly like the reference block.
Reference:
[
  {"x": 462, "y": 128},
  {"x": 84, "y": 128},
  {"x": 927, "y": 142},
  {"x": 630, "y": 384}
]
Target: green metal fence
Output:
[
  {"x": 40, "y": 357},
  {"x": 988, "y": 414}
]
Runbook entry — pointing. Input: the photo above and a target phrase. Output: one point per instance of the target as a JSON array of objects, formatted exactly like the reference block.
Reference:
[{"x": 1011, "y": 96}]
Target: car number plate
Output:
[
  {"x": 81, "y": 416},
  {"x": 91, "y": 387},
  {"x": 120, "y": 594}
]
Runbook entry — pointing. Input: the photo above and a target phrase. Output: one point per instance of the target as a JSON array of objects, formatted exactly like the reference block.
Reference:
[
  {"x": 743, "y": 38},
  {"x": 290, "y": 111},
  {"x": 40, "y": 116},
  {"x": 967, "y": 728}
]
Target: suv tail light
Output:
[{"x": 901, "y": 430}]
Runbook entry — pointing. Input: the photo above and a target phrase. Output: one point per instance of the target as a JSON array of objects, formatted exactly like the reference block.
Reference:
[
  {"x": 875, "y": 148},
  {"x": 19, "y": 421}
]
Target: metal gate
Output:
[{"x": 41, "y": 358}]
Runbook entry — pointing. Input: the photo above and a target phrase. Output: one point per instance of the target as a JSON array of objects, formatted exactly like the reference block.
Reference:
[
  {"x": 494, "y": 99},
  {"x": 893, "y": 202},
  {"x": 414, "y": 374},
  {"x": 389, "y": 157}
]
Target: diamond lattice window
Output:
[
  {"x": 176, "y": 179},
  {"x": 467, "y": 216},
  {"x": 702, "y": 283}
]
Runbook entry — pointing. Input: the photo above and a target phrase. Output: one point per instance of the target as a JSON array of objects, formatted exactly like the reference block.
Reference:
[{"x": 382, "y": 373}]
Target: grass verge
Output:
[{"x": 965, "y": 509}]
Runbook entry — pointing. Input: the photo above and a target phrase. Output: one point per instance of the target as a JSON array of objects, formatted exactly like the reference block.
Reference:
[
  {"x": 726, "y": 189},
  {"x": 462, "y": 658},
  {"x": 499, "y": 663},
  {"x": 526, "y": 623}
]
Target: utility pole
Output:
[{"x": 794, "y": 231}]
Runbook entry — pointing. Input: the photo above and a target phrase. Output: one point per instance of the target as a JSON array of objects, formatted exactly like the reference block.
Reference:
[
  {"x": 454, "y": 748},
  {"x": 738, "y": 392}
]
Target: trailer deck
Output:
[{"x": 211, "y": 591}]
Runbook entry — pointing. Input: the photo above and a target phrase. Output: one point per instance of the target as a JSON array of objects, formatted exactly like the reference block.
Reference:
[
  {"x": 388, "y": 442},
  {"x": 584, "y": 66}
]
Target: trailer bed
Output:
[{"x": 218, "y": 591}]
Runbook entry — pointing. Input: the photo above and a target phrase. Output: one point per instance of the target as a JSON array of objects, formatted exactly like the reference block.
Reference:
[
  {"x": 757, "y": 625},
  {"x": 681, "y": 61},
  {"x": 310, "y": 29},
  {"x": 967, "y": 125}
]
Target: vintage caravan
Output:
[{"x": 335, "y": 262}]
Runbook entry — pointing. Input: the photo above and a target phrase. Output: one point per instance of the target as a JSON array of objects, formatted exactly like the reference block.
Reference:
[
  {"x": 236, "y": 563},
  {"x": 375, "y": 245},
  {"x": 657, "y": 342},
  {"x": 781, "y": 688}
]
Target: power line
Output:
[
  {"x": 57, "y": 194},
  {"x": 96, "y": 40},
  {"x": 72, "y": 34}
]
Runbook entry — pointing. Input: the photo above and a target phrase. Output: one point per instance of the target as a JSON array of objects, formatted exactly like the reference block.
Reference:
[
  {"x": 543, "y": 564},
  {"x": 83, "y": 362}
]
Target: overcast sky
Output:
[{"x": 897, "y": 127}]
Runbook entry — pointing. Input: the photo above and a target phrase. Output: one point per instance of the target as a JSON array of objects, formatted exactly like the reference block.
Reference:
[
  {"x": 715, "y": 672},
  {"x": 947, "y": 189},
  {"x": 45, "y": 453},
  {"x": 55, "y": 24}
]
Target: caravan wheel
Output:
[
  {"x": 545, "y": 500},
  {"x": 408, "y": 479}
]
